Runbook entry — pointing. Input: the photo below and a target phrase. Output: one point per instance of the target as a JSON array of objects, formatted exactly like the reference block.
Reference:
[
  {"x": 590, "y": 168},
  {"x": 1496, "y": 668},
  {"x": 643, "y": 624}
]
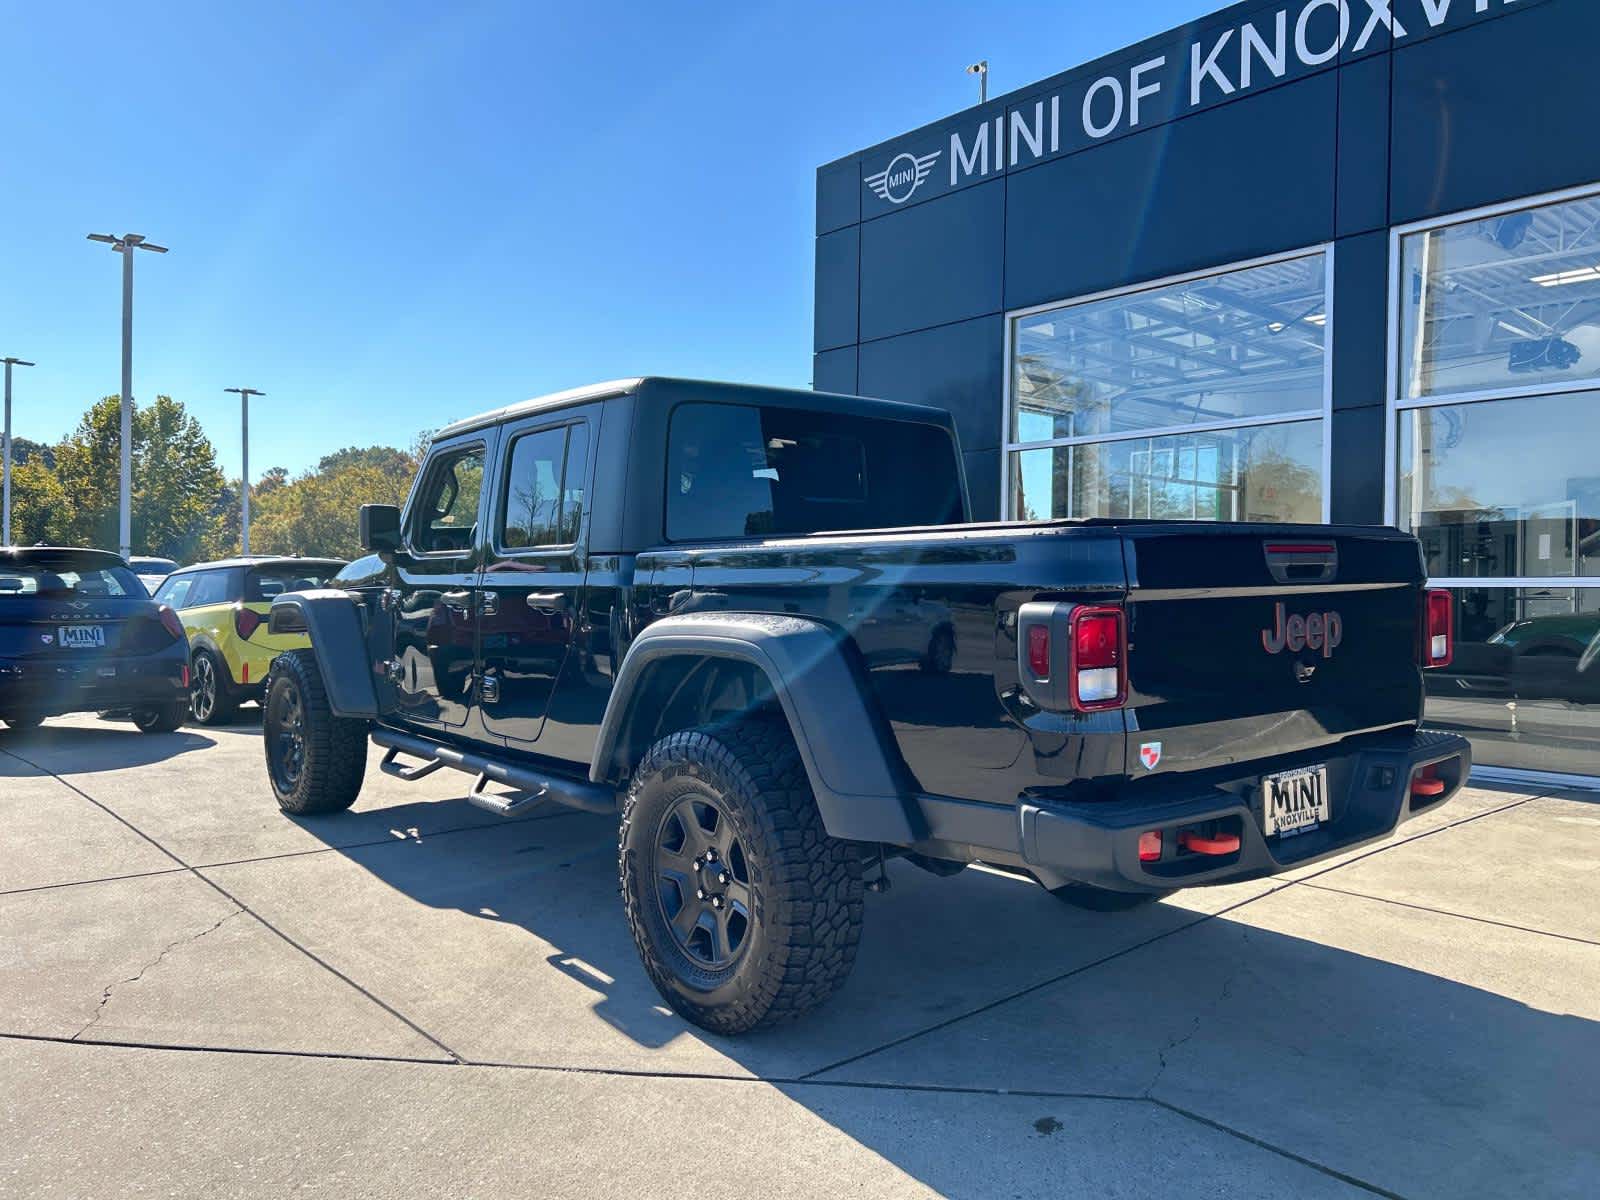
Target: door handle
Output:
[
  {"x": 547, "y": 602},
  {"x": 457, "y": 599}
]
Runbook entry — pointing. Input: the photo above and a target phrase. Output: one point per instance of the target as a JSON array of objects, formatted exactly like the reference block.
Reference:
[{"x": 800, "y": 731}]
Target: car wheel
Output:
[
  {"x": 24, "y": 721},
  {"x": 1094, "y": 899},
  {"x": 941, "y": 655},
  {"x": 744, "y": 911},
  {"x": 315, "y": 760},
  {"x": 163, "y": 718},
  {"x": 211, "y": 699}
]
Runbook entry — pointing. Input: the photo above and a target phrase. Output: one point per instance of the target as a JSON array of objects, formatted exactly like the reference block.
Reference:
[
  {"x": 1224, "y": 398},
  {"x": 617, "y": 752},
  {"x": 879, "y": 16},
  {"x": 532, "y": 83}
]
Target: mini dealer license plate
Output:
[
  {"x": 1294, "y": 801},
  {"x": 81, "y": 637}
]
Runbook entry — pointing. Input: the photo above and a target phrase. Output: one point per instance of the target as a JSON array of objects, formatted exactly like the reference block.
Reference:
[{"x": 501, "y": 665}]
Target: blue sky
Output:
[{"x": 390, "y": 215}]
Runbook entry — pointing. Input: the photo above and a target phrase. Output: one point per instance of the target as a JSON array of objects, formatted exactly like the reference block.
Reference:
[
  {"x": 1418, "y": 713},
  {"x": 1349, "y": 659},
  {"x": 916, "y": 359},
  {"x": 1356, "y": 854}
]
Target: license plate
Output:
[
  {"x": 81, "y": 637},
  {"x": 1294, "y": 801}
]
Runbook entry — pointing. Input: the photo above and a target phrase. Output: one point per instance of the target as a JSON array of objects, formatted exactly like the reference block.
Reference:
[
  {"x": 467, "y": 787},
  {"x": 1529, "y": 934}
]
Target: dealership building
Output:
[{"x": 1298, "y": 261}]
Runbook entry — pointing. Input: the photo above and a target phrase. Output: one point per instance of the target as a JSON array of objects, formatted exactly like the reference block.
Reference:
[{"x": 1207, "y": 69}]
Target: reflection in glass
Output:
[
  {"x": 1248, "y": 343},
  {"x": 1506, "y": 301},
  {"x": 1525, "y": 683},
  {"x": 1264, "y": 473},
  {"x": 1504, "y": 487}
]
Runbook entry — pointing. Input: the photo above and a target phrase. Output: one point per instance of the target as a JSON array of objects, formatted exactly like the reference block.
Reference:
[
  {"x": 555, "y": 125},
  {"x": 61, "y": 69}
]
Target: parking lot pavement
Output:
[{"x": 201, "y": 996}]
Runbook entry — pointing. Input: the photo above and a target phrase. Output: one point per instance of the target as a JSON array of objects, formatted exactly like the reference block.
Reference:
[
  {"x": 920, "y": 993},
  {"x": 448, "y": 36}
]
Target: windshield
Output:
[
  {"x": 267, "y": 582},
  {"x": 63, "y": 581}
]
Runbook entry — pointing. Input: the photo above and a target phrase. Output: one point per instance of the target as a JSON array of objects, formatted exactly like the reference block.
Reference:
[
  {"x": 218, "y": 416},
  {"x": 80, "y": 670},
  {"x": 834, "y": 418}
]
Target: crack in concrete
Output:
[
  {"x": 105, "y": 995},
  {"x": 1173, "y": 1045}
]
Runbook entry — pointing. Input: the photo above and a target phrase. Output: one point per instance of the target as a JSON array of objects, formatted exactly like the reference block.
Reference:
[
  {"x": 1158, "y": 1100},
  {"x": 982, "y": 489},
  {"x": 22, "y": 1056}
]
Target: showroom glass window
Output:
[
  {"x": 1496, "y": 436},
  {"x": 1204, "y": 397}
]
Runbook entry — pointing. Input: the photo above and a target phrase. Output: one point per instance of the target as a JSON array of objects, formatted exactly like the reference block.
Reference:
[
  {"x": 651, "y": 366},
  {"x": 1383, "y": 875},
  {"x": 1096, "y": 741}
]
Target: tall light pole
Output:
[
  {"x": 244, "y": 395},
  {"x": 981, "y": 70},
  {"x": 5, "y": 538},
  {"x": 125, "y": 246}
]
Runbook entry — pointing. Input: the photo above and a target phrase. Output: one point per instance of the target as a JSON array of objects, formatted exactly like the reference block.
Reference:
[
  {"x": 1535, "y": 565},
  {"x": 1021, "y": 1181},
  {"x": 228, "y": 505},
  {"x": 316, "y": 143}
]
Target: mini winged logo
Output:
[{"x": 905, "y": 173}]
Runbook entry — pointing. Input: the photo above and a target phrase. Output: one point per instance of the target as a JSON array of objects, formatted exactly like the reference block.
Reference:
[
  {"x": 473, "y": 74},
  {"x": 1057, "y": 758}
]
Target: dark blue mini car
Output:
[{"x": 79, "y": 633}]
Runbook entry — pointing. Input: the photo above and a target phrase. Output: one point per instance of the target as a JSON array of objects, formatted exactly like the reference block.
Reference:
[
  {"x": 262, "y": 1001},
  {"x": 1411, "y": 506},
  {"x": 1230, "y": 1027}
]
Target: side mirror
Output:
[{"x": 380, "y": 528}]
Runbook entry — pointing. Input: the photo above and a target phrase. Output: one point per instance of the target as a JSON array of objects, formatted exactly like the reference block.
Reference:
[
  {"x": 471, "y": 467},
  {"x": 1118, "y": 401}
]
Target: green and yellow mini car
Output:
[{"x": 223, "y": 607}]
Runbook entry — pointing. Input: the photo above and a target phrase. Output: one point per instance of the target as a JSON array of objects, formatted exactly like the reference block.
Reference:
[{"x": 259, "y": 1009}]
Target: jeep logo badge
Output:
[
  {"x": 897, "y": 182},
  {"x": 1315, "y": 631}
]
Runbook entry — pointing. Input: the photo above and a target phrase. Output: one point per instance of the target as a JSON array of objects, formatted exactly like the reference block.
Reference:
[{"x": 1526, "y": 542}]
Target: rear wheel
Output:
[
  {"x": 744, "y": 911},
  {"x": 1081, "y": 895},
  {"x": 162, "y": 718},
  {"x": 315, "y": 760},
  {"x": 211, "y": 697}
]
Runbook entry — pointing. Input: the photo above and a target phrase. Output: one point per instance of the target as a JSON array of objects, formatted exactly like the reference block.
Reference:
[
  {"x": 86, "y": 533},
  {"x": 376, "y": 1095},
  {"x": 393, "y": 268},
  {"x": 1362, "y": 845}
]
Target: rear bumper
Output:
[
  {"x": 56, "y": 687},
  {"x": 1370, "y": 795}
]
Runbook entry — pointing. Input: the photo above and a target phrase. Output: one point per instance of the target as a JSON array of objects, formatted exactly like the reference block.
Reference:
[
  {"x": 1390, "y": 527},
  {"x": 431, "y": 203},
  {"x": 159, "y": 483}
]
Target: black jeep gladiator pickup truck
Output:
[{"x": 753, "y": 621}]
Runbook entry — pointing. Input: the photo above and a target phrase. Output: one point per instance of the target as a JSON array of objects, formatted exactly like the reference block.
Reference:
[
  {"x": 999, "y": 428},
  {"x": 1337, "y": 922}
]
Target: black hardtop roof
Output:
[
  {"x": 261, "y": 560},
  {"x": 26, "y": 555},
  {"x": 672, "y": 390}
]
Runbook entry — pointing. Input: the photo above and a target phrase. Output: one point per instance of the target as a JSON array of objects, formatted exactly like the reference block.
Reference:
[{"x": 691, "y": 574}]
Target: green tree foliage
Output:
[
  {"x": 39, "y": 508},
  {"x": 177, "y": 487},
  {"x": 316, "y": 513}
]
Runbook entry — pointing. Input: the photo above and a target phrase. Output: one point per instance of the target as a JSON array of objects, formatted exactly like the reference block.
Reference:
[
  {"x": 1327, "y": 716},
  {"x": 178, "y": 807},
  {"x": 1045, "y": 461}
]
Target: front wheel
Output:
[
  {"x": 315, "y": 760},
  {"x": 162, "y": 718},
  {"x": 744, "y": 911}
]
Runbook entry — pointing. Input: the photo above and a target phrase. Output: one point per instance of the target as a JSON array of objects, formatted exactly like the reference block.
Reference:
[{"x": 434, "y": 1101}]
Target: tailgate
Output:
[{"x": 1252, "y": 641}]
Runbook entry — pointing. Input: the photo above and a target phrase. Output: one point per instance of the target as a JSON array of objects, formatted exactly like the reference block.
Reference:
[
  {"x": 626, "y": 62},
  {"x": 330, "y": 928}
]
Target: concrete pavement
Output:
[{"x": 201, "y": 996}]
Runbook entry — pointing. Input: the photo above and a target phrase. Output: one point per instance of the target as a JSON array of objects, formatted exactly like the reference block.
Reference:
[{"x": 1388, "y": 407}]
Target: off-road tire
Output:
[
  {"x": 332, "y": 755},
  {"x": 805, "y": 887},
  {"x": 225, "y": 705},
  {"x": 162, "y": 718},
  {"x": 1094, "y": 899}
]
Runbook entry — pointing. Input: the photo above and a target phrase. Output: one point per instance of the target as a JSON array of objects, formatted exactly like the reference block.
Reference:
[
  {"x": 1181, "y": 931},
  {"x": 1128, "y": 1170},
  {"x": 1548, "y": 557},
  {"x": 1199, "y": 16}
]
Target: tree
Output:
[
  {"x": 177, "y": 487},
  {"x": 40, "y": 510}
]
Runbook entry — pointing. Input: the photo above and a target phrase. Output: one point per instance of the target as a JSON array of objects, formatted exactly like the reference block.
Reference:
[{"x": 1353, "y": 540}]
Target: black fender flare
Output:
[
  {"x": 861, "y": 784},
  {"x": 339, "y": 641}
]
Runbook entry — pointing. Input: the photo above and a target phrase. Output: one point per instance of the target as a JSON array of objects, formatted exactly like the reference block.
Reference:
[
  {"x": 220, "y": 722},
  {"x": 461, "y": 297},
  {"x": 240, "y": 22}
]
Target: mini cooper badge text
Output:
[{"x": 1293, "y": 632}]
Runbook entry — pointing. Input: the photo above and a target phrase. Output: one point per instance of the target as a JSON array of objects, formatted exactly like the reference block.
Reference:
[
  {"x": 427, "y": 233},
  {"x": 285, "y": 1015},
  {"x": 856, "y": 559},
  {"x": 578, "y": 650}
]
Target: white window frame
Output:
[
  {"x": 1008, "y": 447},
  {"x": 1395, "y": 404}
]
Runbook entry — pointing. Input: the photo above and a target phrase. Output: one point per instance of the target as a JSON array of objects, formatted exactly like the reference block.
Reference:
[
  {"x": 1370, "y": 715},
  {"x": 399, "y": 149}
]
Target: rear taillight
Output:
[
  {"x": 1099, "y": 666},
  {"x": 170, "y": 622},
  {"x": 245, "y": 621},
  {"x": 1150, "y": 846},
  {"x": 1438, "y": 628}
]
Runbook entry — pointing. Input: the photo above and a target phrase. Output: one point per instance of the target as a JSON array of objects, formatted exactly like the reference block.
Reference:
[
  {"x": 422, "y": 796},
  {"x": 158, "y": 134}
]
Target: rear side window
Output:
[
  {"x": 740, "y": 471},
  {"x": 545, "y": 488},
  {"x": 263, "y": 583},
  {"x": 446, "y": 515},
  {"x": 64, "y": 580}
]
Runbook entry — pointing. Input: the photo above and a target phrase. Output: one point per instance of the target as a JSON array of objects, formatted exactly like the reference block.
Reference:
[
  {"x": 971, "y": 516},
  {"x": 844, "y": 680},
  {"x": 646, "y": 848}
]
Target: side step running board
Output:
[{"x": 530, "y": 788}]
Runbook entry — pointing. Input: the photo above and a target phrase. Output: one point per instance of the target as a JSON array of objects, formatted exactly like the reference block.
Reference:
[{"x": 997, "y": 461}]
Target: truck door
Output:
[
  {"x": 433, "y": 601},
  {"x": 531, "y": 592}
]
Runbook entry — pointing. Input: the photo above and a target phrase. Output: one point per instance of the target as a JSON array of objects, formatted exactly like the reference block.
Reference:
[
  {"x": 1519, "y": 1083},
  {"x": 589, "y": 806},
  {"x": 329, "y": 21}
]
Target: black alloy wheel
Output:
[
  {"x": 283, "y": 727},
  {"x": 204, "y": 687},
  {"x": 702, "y": 882}
]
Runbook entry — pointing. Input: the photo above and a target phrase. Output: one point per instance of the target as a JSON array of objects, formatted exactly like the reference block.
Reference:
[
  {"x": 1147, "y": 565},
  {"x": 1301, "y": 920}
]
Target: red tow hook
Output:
[
  {"x": 1222, "y": 843},
  {"x": 1426, "y": 783}
]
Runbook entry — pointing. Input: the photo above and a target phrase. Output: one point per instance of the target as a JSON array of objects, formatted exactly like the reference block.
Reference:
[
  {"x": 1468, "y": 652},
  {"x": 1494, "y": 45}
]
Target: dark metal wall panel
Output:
[
  {"x": 933, "y": 264},
  {"x": 983, "y": 484},
  {"x": 838, "y": 195},
  {"x": 1237, "y": 182},
  {"x": 838, "y": 286},
  {"x": 959, "y": 368},
  {"x": 1360, "y": 326},
  {"x": 835, "y": 371},
  {"x": 1496, "y": 112},
  {"x": 1358, "y": 479},
  {"x": 1361, "y": 201}
]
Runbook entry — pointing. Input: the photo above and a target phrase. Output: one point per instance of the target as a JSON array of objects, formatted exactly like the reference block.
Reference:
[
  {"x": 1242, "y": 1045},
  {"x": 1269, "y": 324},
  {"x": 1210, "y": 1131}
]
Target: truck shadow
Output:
[{"x": 1392, "y": 1074}]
